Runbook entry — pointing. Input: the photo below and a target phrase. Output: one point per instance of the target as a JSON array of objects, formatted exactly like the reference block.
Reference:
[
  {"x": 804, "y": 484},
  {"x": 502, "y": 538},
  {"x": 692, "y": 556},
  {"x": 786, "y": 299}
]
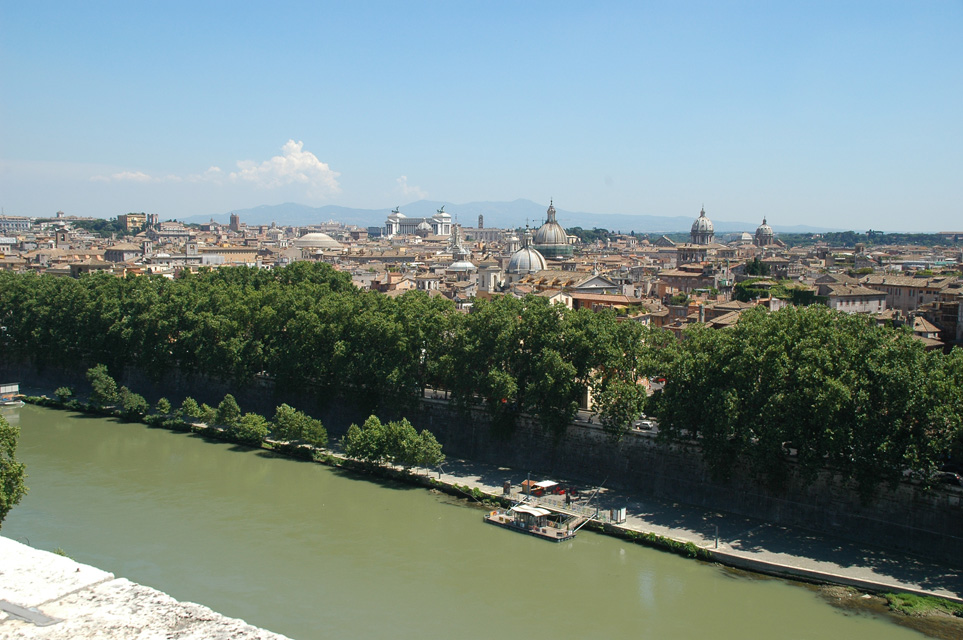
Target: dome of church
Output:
[
  {"x": 462, "y": 265},
  {"x": 702, "y": 232},
  {"x": 317, "y": 241},
  {"x": 551, "y": 239},
  {"x": 551, "y": 232},
  {"x": 764, "y": 235},
  {"x": 526, "y": 260},
  {"x": 702, "y": 224},
  {"x": 763, "y": 229}
]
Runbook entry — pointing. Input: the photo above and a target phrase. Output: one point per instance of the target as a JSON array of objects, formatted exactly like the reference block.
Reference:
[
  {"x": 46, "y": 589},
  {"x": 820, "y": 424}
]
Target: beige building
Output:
[
  {"x": 855, "y": 299},
  {"x": 907, "y": 293}
]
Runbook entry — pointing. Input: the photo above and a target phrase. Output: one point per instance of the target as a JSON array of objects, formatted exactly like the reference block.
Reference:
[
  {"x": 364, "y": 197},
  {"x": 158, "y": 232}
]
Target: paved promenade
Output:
[{"x": 748, "y": 543}]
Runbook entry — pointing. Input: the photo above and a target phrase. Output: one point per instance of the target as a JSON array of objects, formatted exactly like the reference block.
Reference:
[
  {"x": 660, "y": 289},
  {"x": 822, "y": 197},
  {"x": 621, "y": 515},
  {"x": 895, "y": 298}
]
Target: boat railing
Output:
[{"x": 557, "y": 503}]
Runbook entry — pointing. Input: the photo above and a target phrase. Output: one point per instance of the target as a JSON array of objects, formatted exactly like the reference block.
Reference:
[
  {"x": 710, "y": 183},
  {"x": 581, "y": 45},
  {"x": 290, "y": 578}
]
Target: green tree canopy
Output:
[
  {"x": 104, "y": 389},
  {"x": 402, "y": 443},
  {"x": 228, "y": 412},
  {"x": 836, "y": 388},
  {"x": 310, "y": 331},
  {"x": 12, "y": 472},
  {"x": 367, "y": 442},
  {"x": 290, "y": 424},
  {"x": 251, "y": 429},
  {"x": 396, "y": 442},
  {"x": 163, "y": 406},
  {"x": 757, "y": 267},
  {"x": 429, "y": 450},
  {"x": 190, "y": 408},
  {"x": 133, "y": 404}
]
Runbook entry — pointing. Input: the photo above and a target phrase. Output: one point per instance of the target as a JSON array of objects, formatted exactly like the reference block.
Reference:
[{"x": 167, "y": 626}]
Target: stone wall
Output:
[{"x": 926, "y": 523}]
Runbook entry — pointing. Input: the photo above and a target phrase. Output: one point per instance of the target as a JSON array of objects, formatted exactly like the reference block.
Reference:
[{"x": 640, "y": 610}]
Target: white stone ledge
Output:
[{"x": 91, "y": 603}]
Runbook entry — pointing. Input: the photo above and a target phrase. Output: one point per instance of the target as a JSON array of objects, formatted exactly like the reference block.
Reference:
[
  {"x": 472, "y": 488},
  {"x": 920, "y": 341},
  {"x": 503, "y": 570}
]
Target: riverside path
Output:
[{"x": 747, "y": 543}]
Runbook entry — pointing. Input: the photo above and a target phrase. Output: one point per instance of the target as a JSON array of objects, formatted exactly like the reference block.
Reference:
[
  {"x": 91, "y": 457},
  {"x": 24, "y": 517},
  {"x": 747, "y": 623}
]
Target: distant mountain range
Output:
[{"x": 504, "y": 215}]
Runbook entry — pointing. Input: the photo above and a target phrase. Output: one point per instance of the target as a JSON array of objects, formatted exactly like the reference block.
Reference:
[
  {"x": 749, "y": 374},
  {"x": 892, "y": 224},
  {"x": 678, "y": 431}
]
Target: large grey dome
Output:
[
  {"x": 318, "y": 241},
  {"x": 702, "y": 224},
  {"x": 551, "y": 239},
  {"x": 526, "y": 260},
  {"x": 462, "y": 265},
  {"x": 764, "y": 234},
  {"x": 551, "y": 232},
  {"x": 702, "y": 231}
]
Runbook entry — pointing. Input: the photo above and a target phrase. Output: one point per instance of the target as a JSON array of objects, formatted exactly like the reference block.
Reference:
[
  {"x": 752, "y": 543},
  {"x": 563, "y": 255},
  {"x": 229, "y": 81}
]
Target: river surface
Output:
[{"x": 313, "y": 552}]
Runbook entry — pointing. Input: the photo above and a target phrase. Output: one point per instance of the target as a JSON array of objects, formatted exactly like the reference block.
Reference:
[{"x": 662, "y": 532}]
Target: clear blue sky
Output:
[{"x": 843, "y": 114}]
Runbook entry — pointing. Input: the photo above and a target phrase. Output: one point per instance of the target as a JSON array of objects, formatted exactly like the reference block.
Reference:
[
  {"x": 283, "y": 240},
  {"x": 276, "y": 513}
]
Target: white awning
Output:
[
  {"x": 546, "y": 484},
  {"x": 535, "y": 511}
]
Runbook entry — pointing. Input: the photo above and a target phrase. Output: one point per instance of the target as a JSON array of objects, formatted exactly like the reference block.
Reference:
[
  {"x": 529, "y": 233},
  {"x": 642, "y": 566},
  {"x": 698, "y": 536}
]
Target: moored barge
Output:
[{"x": 534, "y": 521}]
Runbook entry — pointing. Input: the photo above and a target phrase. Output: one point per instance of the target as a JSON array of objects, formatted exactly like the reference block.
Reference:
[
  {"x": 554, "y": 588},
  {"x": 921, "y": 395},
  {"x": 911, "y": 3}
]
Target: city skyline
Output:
[{"x": 817, "y": 114}]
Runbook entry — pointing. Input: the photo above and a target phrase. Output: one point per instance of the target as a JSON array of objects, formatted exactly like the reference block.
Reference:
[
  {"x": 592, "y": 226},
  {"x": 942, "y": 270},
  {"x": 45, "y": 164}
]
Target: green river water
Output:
[{"x": 312, "y": 552}]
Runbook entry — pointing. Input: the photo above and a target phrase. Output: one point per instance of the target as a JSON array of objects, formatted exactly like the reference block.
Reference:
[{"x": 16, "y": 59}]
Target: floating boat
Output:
[
  {"x": 10, "y": 395},
  {"x": 535, "y": 521}
]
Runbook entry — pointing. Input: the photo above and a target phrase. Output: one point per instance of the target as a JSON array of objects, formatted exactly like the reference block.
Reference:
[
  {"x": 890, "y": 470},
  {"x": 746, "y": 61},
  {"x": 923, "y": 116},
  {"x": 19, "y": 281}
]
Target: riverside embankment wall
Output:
[
  {"x": 927, "y": 523},
  {"x": 907, "y": 518}
]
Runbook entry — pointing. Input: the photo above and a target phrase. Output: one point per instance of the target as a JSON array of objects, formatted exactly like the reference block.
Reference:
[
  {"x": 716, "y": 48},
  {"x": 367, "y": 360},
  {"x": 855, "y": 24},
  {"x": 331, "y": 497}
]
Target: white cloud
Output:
[
  {"x": 125, "y": 176},
  {"x": 293, "y": 166},
  {"x": 213, "y": 174},
  {"x": 411, "y": 190},
  {"x": 135, "y": 176}
]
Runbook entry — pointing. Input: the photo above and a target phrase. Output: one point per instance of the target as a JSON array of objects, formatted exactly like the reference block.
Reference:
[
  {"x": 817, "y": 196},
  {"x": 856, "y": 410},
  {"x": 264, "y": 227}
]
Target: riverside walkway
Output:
[{"x": 747, "y": 543}]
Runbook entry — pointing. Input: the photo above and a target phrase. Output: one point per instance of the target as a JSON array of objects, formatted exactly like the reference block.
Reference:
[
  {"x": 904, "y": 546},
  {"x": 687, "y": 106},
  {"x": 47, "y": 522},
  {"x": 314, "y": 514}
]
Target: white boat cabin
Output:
[
  {"x": 9, "y": 391},
  {"x": 530, "y": 517}
]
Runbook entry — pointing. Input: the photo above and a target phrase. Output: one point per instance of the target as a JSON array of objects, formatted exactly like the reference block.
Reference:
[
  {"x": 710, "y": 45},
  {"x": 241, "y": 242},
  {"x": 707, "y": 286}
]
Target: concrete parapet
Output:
[{"x": 50, "y": 597}]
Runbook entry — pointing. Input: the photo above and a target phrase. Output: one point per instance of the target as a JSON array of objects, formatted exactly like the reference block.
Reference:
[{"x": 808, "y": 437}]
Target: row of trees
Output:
[
  {"x": 310, "y": 329},
  {"x": 395, "y": 442},
  {"x": 288, "y": 423},
  {"x": 753, "y": 288},
  {"x": 870, "y": 238},
  {"x": 837, "y": 389}
]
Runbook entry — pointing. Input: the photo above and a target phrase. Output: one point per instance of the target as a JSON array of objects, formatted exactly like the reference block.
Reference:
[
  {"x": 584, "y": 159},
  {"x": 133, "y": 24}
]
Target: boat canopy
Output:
[{"x": 535, "y": 511}]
